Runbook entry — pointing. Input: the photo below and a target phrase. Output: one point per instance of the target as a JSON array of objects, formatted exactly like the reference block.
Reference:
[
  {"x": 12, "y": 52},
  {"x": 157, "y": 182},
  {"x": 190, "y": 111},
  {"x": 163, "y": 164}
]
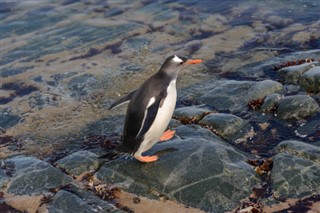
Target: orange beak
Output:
[{"x": 193, "y": 61}]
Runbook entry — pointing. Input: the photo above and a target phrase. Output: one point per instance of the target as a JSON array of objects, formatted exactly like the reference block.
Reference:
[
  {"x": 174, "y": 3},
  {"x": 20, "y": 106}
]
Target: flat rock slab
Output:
[
  {"x": 206, "y": 174},
  {"x": 235, "y": 95},
  {"x": 297, "y": 107},
  {"x": 79, "y": 162},
  {"x": 32, "y": 175}
]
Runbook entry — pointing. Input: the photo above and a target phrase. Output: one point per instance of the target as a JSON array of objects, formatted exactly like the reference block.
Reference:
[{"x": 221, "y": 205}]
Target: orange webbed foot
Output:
[
  {"x": 167, "y": 135},
  {"x": 146, "y": 159}
]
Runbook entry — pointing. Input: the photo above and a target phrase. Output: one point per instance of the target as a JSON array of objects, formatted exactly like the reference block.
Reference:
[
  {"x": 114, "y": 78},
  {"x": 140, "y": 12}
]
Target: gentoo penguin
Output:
[{"x": 150, "y": 109}]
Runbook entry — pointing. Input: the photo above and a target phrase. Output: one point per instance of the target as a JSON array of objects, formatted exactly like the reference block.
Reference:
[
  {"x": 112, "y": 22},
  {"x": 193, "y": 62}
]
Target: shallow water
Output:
[{"x": 64, "y": 62}]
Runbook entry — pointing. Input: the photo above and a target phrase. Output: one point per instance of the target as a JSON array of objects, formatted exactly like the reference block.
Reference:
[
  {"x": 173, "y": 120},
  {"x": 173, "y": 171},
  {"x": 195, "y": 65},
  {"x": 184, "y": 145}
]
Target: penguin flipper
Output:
[
  {"x": 150, "y": 115},
  {"x": 123, "y": 100}
]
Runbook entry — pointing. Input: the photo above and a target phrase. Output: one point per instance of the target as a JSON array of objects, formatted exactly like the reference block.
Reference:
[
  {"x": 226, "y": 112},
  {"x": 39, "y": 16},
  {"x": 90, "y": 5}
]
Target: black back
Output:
[{"x": 155, "y": 86}]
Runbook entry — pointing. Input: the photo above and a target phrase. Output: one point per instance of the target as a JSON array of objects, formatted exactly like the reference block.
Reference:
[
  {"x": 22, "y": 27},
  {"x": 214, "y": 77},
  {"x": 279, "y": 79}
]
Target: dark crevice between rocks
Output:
[
  {"x": 187, "y": 120},
  {"x": 261, "y": 190}
]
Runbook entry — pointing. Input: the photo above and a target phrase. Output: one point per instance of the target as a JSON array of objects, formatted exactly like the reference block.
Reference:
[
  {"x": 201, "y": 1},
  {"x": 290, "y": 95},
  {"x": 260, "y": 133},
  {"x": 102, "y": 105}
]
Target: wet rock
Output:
[
  {"x": 65, "y": 201},
  {"x": 193, "y": 131},
  {"x": 34, "y": 176},
  {"x": 3, "y": 178},
  {"x": 310, "y": 80},
  {"x": 228, "y": 41},
  {"x": 8, "y": 119},
  {"x": 300, "y": 149},
  {"x": 79, "y": 162},
  {"x": 296, "y": 170},
  {"x": 113, "y": 12},
  {"x": 57, "y": 78},
  {"x": 129, "y": 67},
  {"x": 206, "y": 174},
  {"x": 8, "y": 71},
  {"x": 191, "y": 114},
  {"x": 39, "y": 100},
  {"x": 270, "y": 103},
  {"x": 135, "y": 43},
  {"x": 235, "y": 95},
  {"x": 270, "y": 67},
  {"x": 292, "y": 74},
  {"x": 82, "y": 85},
  {"x": 230, "y": 127},
  {"x": 297, "y": 107},
  {"x": 89, "y": 199}
]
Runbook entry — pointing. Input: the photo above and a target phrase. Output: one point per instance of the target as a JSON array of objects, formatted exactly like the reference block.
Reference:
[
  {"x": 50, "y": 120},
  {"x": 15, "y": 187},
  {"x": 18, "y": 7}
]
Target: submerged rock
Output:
[
  {"x": 296, "y": 169},
  {"x": 206, "y": 174},
  {"x": 235, "y": 95},
  {"x": 297, "y": 107},
  {"x": 32, "y": 175}
]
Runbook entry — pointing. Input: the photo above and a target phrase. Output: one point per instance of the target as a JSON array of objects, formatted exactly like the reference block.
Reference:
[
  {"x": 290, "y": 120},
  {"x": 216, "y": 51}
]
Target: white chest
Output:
[{"x": 162, "y": 119}]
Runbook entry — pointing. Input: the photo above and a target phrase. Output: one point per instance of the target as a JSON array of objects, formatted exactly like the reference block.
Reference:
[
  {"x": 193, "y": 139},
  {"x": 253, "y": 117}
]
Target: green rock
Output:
[
  {"x": 34, "y": 176},
  {"x": 193, "y": 130},
  {"x": 270, "y": 103},
  {"x": 205, "y": 174},
  {"x": 300, "y": 149},
  {"x": 310, "y": 80},
  {"x": 230, "y": 127},
  {"x": 194, "y": 113},
  {"x": 67, "y": 202},
  {"x": 292, "y": 74},
  {"x": 294, "y": 176},
  {"x": 297, "y": 107},
  {"x": 79, "y": 162}
]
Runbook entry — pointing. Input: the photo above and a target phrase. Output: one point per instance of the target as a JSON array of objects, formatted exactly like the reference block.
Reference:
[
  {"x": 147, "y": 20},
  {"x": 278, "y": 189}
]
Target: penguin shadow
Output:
[
  {"x": 115, "y": 156},
  {"x": 165, "y": 151}
]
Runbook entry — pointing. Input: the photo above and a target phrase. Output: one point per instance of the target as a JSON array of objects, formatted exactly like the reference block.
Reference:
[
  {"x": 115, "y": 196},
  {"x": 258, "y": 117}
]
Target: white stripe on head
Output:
[
  {"x": 177, "y": 59},
  {"x": 151, "y": 101}
]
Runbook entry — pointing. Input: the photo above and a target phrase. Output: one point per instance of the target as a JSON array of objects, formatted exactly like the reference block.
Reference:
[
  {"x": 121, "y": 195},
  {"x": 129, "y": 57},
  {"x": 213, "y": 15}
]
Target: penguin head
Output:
[{"x": 174, "y": 64}]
